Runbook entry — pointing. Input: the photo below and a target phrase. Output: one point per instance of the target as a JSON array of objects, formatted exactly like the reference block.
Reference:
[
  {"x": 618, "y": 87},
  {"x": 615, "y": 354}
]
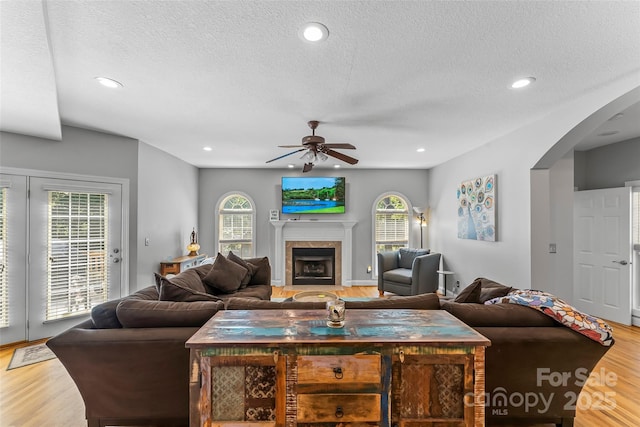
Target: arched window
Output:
[
  {"x": 391, "y": 222},
  {"x": 236, "y": 224}
]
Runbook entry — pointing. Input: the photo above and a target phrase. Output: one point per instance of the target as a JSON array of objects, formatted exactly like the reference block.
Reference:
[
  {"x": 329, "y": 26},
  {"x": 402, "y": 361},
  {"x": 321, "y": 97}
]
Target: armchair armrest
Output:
[
  {"x": 386, "y": 261},
  {"x": 424, "y": 274}
]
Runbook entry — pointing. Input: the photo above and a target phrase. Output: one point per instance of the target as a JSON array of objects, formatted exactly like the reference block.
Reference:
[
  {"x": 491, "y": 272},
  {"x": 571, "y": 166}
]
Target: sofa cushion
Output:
[
  {"x": 398, "y": 275},
  {"x": 134, "y": 313},
  {"x": 407, "y": 256},
  {"x": 187, "y": 279},
  {"x": 251, "y": 269},
  {"x": 470, "y": 294},
  {"x": 497, "y": 315},
  {"x": 262, "y": 276},
  {"x": 225, "y": 276},
  {"x": 236, "y": 303},
  {"x": 417, "y": 302},
  {"x": 172, "y": 291},
  {"x": 104, "y": 315}
]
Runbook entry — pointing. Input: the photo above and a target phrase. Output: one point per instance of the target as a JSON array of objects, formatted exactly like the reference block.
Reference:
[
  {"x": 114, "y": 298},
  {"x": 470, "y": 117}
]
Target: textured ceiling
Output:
[{"x": 393, "y": 76}]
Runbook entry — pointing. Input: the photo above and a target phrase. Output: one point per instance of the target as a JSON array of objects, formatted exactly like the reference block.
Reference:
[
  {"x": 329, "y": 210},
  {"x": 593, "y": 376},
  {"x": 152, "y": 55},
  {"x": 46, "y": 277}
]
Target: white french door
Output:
[
  {"x": 13, "y": 258},
  {"x": 60, "y": 250},
  {"x": 602, "y": 253},
  {"x": 75, "y": 251}
]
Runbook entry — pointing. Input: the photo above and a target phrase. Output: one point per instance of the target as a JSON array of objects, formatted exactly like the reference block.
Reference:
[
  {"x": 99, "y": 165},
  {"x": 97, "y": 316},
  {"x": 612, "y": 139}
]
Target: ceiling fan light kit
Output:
[{"x": 316, "y": 148}]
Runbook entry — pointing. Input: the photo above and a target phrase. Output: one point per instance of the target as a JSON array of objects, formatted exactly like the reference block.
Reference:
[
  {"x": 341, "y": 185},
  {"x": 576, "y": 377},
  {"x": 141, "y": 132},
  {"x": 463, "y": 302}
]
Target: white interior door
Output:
[
  {"x": 13, "y": 260},
  {"x": 602, "y": 253},
  {"x": 75, "y": 251}
]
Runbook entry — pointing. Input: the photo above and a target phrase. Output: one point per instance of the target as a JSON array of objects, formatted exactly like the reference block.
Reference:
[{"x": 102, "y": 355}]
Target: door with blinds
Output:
[{"x": 75, "y": 251}]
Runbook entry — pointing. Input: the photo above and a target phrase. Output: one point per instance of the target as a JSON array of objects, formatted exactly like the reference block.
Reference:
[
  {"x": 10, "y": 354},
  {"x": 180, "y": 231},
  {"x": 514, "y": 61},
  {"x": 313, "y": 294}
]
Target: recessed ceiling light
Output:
[
  {"x": 336, "y": 166},
  {"x": 110, "y": 83},
  {"x": 290, "y": 166},
  {"x": 207, "y": 148},
  {"x": 420, "y": 150},
  {"x": 519, "y": 84},
  {"x": 609, "y": 133},
  {"x": 314, "y": 32},
  {"x": 617, "y": 116}
]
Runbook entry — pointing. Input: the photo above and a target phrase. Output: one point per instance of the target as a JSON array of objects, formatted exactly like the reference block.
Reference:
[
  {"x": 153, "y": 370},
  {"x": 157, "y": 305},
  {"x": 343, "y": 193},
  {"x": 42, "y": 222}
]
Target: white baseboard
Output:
[{"x": 635, "y": 321}]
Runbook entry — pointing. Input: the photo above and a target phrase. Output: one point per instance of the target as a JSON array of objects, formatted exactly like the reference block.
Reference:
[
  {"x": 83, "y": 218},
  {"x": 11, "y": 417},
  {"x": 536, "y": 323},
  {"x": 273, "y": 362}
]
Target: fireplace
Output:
[
  {"x": 313, "y": 266},
  {"x": 312, "y": 233}
]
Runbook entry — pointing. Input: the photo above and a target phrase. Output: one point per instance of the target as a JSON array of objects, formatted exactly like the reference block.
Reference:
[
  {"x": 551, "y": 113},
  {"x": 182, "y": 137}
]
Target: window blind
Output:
[
  {"x": 4, "y": 284},
  {"x": 236, "y": 226},
  {"x": 78, "y": 274}
]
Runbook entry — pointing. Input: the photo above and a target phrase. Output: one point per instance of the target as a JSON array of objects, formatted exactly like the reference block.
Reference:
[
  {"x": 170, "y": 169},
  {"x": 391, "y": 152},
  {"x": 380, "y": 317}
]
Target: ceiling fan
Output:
[{"x": 316, "y": 149}]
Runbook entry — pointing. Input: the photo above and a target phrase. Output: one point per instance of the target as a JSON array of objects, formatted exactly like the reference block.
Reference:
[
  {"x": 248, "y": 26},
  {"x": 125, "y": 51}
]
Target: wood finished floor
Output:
[{"x": 44, "y": 395}]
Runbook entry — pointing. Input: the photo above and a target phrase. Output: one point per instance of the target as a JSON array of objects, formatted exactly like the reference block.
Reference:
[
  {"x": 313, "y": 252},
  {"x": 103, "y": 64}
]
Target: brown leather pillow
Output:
[
  {"x": 470, "y": 294},
  {"x": 172, "y": 291},
  {"x": 225, "y": 276},
  {"x": 251, "y": 269},
  {"x": 262, "y": 276},
  {"x": 490, "y": 289},
  {"x": 187, "y": 279}
]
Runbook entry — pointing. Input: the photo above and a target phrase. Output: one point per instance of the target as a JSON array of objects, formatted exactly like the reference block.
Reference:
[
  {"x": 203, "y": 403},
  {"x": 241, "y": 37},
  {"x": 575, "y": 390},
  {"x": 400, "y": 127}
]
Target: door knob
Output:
[{"x": 623, "y": 262}]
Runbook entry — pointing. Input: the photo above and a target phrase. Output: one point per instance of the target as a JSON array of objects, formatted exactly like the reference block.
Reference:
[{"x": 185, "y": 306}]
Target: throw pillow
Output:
[
  {"x": 171, "y": 291},
  {"x": 408, "y": 255},
  {"x": 470, "y": 294},
  {"x": 251, "y": 269},
  {"x": 262, "y": 276},
  {"x": 225, "y": 276},
  {"x": 490, "y": 289},
  {"x": 187, "y": 279}
]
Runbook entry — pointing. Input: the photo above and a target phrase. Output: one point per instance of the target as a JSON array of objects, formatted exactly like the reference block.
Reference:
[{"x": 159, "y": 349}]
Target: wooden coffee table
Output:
[{"x": 286, "y": 367}]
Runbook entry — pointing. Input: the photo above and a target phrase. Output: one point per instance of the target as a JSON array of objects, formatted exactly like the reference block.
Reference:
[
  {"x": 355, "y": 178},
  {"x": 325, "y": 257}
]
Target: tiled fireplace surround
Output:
[{"x": 312, "y": 234}]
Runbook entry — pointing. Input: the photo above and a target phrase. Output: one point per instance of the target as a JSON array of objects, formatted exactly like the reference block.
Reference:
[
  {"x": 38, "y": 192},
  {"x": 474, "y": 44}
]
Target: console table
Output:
[
  {"x": 385, "y": 367},
  {"x": 180, "y": 264}
]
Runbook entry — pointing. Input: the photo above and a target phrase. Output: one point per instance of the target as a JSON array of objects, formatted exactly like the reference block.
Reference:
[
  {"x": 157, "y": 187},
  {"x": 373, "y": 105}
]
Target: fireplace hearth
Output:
[{"x": 313, "y": 266}]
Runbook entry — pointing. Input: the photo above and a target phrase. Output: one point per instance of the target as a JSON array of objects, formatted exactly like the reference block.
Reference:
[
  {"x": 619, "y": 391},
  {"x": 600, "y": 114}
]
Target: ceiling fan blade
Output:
[
  {"x": 285, "y": 155},
  {"x": 307, "y": 167},
  {"x": 343, "y": 146},
  {"x": 340, "y": 156}
]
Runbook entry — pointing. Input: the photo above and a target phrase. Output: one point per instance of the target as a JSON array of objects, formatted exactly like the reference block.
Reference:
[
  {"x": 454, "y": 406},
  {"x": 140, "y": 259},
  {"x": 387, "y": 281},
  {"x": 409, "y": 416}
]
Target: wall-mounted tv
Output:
[{"x": 313, "y": 195}]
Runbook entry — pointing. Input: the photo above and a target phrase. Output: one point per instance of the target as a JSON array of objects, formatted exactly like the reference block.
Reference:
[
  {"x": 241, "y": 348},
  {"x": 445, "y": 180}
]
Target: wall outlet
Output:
[
  {"x": 552, "y": 248},
  {"x": 147, "y": 242},
  {"x": 457, "y": 284},
  {"x": 368, "y": 269}
]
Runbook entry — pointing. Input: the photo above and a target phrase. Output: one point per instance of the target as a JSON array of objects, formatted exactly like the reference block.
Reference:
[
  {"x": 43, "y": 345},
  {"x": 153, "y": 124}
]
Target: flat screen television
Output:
[{"x": 313, "y": 195}]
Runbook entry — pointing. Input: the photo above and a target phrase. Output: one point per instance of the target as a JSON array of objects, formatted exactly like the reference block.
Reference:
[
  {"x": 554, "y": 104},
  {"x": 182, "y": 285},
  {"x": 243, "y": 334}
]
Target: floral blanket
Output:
[{"x": 590, "y": 326}]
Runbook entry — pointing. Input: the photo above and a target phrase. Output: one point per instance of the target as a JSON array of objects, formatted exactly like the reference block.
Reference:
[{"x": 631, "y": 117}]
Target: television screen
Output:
[{"x": 310, "y": 195}]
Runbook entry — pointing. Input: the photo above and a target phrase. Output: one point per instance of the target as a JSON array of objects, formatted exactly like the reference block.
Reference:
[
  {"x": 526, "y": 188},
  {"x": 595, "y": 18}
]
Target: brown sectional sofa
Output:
[{"x": 132, "y": 368}]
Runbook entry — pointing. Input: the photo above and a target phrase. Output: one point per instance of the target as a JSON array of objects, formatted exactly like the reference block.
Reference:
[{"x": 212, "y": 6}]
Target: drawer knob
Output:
[
  {"x": 338, "y": 374},
  {"x": 339, "y": 412}
]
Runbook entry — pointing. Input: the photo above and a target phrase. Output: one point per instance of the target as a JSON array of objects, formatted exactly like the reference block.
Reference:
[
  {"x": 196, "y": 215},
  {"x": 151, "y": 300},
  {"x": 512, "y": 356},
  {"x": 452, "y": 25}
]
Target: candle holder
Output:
[{"x": 335, "y": 313}]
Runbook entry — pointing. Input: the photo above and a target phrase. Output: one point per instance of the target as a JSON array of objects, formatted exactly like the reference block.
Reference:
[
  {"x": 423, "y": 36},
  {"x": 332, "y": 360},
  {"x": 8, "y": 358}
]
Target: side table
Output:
[{"x": 445, "y": 273}]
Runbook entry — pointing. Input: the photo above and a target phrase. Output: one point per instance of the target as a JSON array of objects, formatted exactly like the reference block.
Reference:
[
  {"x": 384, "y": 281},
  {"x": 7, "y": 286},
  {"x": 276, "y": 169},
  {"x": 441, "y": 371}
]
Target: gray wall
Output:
[
  {"x": 263, "y": 186},
  {"x": 167, "y": 210},
  {"x": 526, "y": 222},
  {"x": 608, "y": 166},
  {"x": 82, "y": 152}
]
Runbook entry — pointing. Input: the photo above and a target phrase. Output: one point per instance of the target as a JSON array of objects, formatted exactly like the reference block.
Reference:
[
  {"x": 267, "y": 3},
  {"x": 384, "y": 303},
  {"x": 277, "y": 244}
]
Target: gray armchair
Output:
[{"x": 408, "y": 271}]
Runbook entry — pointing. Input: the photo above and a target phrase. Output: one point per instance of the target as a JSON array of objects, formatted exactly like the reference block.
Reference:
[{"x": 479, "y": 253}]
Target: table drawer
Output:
[
  {"x": 358, "y": 368},
  {"x": 338, "y": 408}
]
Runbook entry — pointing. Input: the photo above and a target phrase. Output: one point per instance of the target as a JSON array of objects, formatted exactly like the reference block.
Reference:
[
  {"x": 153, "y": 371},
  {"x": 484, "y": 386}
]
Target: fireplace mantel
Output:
[{"x": 312, "y": 230}]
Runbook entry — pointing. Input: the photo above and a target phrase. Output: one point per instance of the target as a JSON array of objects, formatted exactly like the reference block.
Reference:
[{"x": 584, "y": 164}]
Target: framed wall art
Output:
[{"x": 477, "y": 208}]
